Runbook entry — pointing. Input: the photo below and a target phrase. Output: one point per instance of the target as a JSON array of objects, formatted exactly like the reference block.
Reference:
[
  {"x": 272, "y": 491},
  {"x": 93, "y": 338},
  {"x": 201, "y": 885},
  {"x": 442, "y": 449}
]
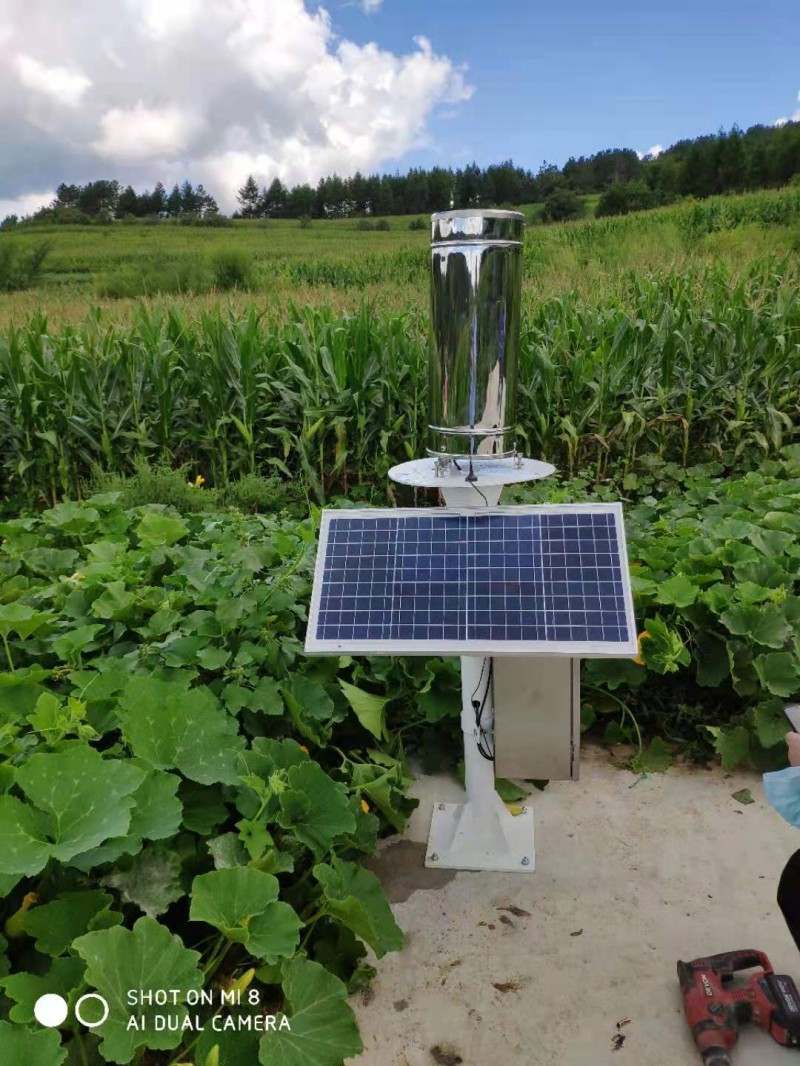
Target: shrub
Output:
[
  {"x": 304, "y": 222},
  {"x": 418, "y": 223},
  {"x": 382, "y": 225},
  {"x": 213, "y": 219},
  {"x": 157, "y": 278},
  {"x": 256, "y": 494},
  {"x": 364, "y": 224},
  {"x": 624, "y": 196},
  {"x": 9, "y": 222},
  {"x": 20, "y": 269},
  {"x": 232, "y": 268},
  {"x": 562, "y": 205}
]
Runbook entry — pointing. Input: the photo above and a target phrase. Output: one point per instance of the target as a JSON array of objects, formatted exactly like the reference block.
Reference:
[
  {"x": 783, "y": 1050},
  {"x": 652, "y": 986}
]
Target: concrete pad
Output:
[{"x": 627, "y": 881}]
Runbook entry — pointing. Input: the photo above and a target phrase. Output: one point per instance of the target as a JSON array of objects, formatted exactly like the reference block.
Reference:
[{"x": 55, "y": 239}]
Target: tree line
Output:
[
  {"x": 728, "y": 161},
  {"x": 105, "y": 200},
  {"x": 732, "y": 161}
]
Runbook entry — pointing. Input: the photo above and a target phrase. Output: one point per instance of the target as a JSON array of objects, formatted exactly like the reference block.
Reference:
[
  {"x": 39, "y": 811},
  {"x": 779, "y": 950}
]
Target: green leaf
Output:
[
  {"x": 778, "y": 672},
  {"x": 71, "y": 644},
  {"x": 157, "y": 810},
  {"x": 355, "y": 897},
  {"x": 55, "y": 925},
  {"x": 315, "y": 807},
  {"x": 711, "y": 655},
  {"x": 151, "y": 881},
  {"x": 312, "y": 697},
  {"x": 663, "y": 651},
  {"x": 168, "y": 727},
  {"x": 33, "y": 1047},
  {"x": 23, "y": 847},
  {"x": 156, "y": 815},
  {"x": 508, "y": 791},
  {"x": 87, "y": 798},
  {"x": 733, "y": 746},
  {"x": 148, "y": 958},
  {"x": 368, "y": 708},
  {"x": 265, "y": 698},
  {"x": 770, "y": 722},
  {"x": 22, "y": 620},
  {"x": 24, "y": 988},
  {"x": 203, "y": 808},
  {"x": 743, "y": 796},
  {"x": 655, "y": 759},
  {"x": 115, "y": 603},
  {"x": 679, "y": 590},
  {"x": 765, "y": 625},
  {"x": 156, "y": 528},
  {"x": 323, "y": 1031},
  {"x": 243, "y": 905}
]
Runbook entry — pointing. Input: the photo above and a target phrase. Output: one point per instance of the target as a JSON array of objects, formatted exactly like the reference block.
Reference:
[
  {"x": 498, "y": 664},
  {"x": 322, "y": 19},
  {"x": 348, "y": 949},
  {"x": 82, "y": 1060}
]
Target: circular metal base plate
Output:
[{"x": 427, "y": 474}]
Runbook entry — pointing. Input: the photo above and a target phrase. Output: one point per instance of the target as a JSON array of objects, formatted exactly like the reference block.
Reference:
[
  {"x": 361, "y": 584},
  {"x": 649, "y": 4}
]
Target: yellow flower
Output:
[
  {"x": 644, "y": 635},
  {"x": 199, "y": 481},
  {"x": 365, "y": 807},
  {"x": 304, "y": 748}
]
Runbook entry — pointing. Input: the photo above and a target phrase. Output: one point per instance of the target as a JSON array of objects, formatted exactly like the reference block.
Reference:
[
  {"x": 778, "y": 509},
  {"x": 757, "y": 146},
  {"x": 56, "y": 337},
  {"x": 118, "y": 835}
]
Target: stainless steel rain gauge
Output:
[{"x": 521, "y": 594}]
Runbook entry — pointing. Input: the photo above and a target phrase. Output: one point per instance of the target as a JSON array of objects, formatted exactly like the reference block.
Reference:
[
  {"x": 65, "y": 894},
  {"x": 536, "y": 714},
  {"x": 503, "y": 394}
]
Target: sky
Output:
[{"x": 148, "y": 90}]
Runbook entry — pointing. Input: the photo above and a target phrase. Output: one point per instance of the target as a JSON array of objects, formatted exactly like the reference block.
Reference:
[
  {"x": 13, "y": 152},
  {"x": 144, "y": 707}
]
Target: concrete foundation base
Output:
[{"x": 575, "y": 965}]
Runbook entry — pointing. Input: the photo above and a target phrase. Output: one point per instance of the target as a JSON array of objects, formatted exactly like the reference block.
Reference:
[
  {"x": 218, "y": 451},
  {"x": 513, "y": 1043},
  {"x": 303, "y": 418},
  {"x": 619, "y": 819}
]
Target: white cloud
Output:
[
  {"x": 139, "y": 133},
  {"x": 655, "y": 150},
  {"x": 206, "y": 90},
  {"x": 369, "y": 7},
  {"x": 63, "y": 85},
  {"x": 25, "y": 205}
]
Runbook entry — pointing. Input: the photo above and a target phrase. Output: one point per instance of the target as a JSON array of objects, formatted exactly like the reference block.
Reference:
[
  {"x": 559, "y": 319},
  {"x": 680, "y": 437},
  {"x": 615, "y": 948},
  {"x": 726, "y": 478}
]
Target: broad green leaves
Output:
[
  {"x": 355, "y": 896},
  {"x": 56, "y": 924},
  {"x": 323, "y": 1027},
  {"x": 369, "y": 709},
  {"x": 147, "y": 958},
  {"x": 315, "y": 807},
  {"x": 31, "y": 1047},
  {"x": 170, "y": 727},
  {"x": 242, "y": 904},
  {"x": 151, "y": 881},
  {"x": 77, "y": 800}
]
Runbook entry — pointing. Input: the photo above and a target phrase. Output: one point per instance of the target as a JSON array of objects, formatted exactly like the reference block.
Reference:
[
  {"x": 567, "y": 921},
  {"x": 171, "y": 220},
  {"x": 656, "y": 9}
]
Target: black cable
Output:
[{"x": 479, "y": 708}]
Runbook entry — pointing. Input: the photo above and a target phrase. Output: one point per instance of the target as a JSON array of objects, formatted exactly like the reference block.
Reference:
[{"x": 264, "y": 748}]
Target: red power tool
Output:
[{"x": 716, "y": 1010}]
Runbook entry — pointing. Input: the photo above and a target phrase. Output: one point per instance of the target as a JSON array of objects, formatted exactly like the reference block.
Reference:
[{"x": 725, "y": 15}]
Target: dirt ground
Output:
[{"x": 574, "y": 964}]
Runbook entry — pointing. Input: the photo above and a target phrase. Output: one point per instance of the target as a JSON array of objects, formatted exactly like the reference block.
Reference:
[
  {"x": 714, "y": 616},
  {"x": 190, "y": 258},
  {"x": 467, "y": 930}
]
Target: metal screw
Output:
[
  {"x": 525, "y": 860},
  {"x": 434, "y": 857},
  {"x": 441, "y": 806},
  {"x": 524, "y": 810}
]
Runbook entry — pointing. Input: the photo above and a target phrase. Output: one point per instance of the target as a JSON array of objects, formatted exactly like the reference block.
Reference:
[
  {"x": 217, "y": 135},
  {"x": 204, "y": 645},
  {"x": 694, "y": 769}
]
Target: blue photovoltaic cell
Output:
[{"x": 485, "y": 577}]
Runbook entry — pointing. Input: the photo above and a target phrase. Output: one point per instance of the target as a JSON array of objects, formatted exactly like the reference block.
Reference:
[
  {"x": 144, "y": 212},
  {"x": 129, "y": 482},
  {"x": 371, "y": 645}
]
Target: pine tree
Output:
[{"x": 249, "y": 197}]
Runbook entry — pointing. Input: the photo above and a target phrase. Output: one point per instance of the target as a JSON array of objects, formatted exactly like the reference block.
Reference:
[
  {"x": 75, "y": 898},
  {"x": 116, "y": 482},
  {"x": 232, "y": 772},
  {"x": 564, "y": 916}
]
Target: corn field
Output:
[{"x": 686, "y": 366}]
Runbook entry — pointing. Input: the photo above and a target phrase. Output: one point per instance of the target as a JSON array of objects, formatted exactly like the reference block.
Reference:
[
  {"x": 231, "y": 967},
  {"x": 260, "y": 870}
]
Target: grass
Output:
[{"x": 339, "y": 264}]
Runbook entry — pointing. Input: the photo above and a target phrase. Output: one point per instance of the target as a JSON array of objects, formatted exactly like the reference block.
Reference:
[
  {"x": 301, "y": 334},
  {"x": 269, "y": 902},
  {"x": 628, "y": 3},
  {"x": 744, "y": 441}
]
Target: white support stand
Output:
[{"x": 480, "y": 834}]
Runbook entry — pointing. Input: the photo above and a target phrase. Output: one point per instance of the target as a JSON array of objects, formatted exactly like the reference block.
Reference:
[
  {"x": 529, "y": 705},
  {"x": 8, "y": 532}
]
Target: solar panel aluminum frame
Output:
[{"x": 587, "y": 649}]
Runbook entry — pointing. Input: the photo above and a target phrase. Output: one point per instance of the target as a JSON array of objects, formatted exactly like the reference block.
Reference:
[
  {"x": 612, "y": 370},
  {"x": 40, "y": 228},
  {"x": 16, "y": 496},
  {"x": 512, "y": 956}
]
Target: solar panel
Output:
[{"x": 551, "y": 579}]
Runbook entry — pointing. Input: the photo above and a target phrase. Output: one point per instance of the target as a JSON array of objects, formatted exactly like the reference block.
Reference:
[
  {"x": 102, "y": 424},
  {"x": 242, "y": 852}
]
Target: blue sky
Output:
[
  {"x": 555, "y": 79},
  {"x": 212, "y": 91}
]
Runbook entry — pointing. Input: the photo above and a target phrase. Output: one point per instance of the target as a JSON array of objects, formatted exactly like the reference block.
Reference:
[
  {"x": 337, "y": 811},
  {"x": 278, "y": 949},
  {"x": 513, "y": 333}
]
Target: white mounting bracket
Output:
[{"x": 481, "y": 834}]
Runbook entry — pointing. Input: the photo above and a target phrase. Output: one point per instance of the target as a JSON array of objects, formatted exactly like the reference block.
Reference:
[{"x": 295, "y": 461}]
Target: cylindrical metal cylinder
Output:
[{"x": 476, "y": 291}]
